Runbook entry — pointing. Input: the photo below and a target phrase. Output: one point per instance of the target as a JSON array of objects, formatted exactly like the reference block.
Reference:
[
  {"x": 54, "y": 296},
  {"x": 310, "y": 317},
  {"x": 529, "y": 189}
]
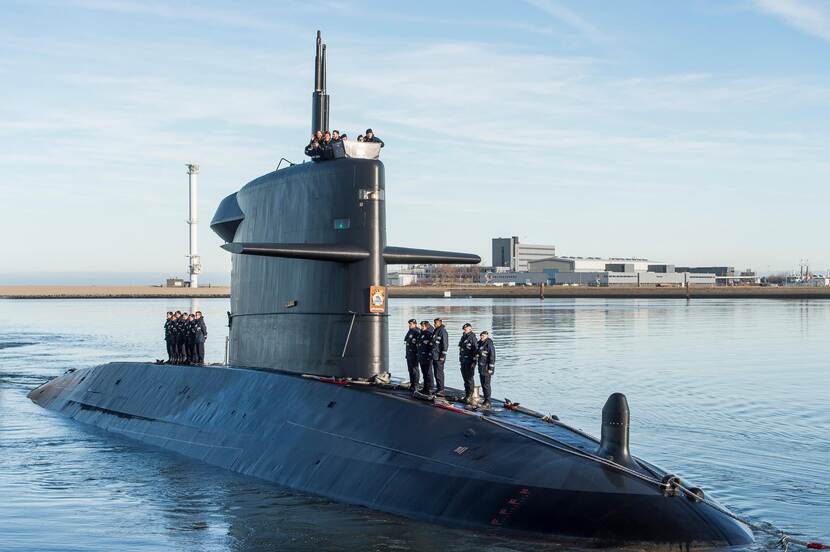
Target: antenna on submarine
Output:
[{"x": 319, "y": 98}]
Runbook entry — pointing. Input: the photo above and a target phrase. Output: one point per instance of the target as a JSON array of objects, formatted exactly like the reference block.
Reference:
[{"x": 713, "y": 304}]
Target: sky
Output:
[{"x": 693, "y": 133}]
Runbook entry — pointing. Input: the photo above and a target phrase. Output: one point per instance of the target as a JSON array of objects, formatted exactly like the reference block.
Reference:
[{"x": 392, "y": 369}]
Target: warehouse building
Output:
[{"x": 616, "y": 271}]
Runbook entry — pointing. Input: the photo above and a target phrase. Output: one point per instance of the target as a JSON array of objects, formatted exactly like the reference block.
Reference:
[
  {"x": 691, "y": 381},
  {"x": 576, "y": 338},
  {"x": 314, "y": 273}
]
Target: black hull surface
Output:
[{"x": 377, "y": 447}]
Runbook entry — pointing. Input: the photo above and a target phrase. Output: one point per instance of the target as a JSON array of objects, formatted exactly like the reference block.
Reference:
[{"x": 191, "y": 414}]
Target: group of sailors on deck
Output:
[
  {"x": 321, "y": 145},
  {"x": 185, "y": 335},
  {"x": 426, "y": 348}
]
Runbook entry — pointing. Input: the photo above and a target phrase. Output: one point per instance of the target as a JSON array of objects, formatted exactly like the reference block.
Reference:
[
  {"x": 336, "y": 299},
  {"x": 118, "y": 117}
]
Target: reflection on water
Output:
[{"x": 731, "y": 395}]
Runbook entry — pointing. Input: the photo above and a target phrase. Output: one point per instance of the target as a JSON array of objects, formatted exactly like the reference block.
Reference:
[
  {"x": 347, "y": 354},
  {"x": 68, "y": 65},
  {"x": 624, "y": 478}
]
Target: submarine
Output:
[{"x": 306, "y": 399}]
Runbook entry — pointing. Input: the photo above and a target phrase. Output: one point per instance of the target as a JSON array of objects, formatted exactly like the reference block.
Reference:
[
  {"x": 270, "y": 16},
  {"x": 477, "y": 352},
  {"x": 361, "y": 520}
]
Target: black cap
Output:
[
  {"x": 425, "y": 322},
  {"x": 412, "y": 321},
  {"x": 485, "y": 332},
  {"x": 368, "y": 130},
  {"x": 467, "y": 325}
]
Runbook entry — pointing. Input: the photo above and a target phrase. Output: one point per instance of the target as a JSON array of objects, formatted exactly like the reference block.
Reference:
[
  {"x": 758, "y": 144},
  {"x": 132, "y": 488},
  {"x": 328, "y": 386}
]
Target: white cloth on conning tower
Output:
[{"x": 362, "y": 150}]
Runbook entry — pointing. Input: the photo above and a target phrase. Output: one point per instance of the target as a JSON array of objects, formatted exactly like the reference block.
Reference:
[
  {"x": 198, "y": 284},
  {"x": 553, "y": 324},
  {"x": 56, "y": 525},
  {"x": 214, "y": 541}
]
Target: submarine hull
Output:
[{"x": 377, "y": 447}]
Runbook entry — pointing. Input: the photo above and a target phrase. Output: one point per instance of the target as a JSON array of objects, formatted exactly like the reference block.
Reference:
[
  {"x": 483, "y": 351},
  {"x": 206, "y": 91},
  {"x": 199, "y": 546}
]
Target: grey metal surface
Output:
[
  {"x": 300, "y": 205},
  {"x": 310, "y": 244}
]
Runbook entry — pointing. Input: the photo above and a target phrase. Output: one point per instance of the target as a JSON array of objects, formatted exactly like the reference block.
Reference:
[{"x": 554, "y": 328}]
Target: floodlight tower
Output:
[{"x": 195, "y": 265}]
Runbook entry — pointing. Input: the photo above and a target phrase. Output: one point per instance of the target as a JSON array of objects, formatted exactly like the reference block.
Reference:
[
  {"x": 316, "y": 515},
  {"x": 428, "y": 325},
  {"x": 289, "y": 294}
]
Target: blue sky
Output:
[{"x": 689, "y": 132}]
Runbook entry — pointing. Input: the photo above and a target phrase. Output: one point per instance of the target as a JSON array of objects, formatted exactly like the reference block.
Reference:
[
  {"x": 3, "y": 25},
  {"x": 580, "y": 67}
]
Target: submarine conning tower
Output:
[{"x": 308, "y": 279}]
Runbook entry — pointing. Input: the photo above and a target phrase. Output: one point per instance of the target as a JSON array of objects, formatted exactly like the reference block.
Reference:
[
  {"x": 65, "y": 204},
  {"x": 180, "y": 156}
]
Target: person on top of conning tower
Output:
[
  {"x": 360, "y": 138},
  {"x": 313, "y": 148},
  {"x": 370, "y": 137},
  {"x": 326, "y": 151}
]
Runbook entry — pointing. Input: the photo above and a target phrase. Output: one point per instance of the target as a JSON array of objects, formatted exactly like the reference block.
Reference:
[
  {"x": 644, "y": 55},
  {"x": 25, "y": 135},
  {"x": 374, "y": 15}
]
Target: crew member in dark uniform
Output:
[
  {"x": 177, "y": 337},
  {"x": 370, "y": 137},
  {"x": 467, "y": 348},
  {"x": 313, "y": 148},
  {"x": 440, "y": 344},
  {"x": 201, "y": 336},
  {"x": 190, "y": 343},
  {"x": 425, "y": 357},
  {"x": 411, "y": 339},
  {"x": 326, "y": 150},
  {"x": 183, "y": 328},
  {"x": 168, "y": 336},
  {"x": 486, "y": 359}
]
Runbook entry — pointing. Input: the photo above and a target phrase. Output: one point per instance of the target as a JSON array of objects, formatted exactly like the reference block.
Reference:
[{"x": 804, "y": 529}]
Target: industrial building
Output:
[
  {"x": 616, "y": 271},
  {"x": 503, "y": 276},
  {"x": 509, "y": 253}
]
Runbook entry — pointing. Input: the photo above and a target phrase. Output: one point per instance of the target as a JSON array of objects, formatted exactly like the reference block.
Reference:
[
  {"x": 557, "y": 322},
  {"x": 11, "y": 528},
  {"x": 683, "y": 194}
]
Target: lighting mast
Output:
[{"x": 195, "y": 265}]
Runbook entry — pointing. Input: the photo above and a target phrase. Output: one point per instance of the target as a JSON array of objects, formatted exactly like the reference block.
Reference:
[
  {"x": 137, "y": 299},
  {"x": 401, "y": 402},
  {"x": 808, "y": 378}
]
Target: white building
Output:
[
  {"x": 508, "y": 252},
  {"x": 598, "y": 264},
  {"x": 616, "y": 271}
]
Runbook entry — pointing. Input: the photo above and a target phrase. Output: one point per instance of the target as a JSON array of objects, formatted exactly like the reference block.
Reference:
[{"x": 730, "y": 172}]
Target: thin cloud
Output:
[
  {"x": 568, "y": 17},
  {"x": 809, "y": 16}
]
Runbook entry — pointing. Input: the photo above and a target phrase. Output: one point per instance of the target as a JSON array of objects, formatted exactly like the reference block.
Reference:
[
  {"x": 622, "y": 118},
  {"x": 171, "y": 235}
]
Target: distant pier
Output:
[
  {"x": 506, "y": 292},
  {"x": 110, "y": 292}
]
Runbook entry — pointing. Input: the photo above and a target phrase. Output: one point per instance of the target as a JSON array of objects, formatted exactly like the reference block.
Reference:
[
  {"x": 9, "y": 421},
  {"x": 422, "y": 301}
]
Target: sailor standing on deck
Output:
[
  {"x": 183, "y": 327},
  {"x": 486, "y": 359},
  {"x": 467, "y": 349},
  {"x": 425, "y": 357},
  {"x": 440, "y": 344},
  {"x": 168, "y": 336},
  {"x": 174, "y": 334},
  {"x": 201, "y": 336},
  {"x": 411, "y": 339},
  {"x": 190, "y": 332}
]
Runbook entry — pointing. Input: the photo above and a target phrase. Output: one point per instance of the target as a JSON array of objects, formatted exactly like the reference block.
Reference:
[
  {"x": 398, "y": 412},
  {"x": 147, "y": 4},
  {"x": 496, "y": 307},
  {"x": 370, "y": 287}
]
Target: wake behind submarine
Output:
[{"x": 322, "y": 415}]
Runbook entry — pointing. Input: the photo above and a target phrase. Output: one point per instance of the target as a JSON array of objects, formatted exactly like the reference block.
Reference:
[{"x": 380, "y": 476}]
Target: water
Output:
[{"x": 730, "y": 394}]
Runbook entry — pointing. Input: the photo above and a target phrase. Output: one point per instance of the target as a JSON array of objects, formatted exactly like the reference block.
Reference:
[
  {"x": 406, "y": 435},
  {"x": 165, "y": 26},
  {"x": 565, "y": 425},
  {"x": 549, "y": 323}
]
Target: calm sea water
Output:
[{"x": 734, "y": 396}]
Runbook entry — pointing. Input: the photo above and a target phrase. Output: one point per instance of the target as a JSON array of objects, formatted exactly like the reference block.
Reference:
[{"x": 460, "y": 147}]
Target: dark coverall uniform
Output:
[
  {"x": 412, "y": 338},
  {"x": 375, "y": 140},
  {"x": 312, "y": 150},
  {"x": 326, "y": 150},
  {"x": 425, "y": 359},
  {"x": 486, "y": 359},
  {"x": 179, "y": 339},
  {"x": 467, "y": 348},
  {"x": 200, "y": 330},
  {"x": 190, "y": 326},
  {"x": 168, "y": 338},
  {"x": 440, "y": 344}
]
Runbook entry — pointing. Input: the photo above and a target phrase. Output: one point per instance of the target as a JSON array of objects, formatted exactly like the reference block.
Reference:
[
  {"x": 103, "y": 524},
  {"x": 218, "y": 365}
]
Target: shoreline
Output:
[
  {"x": 109, "y": 292},
  {"x": 436, "y": 292}
]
